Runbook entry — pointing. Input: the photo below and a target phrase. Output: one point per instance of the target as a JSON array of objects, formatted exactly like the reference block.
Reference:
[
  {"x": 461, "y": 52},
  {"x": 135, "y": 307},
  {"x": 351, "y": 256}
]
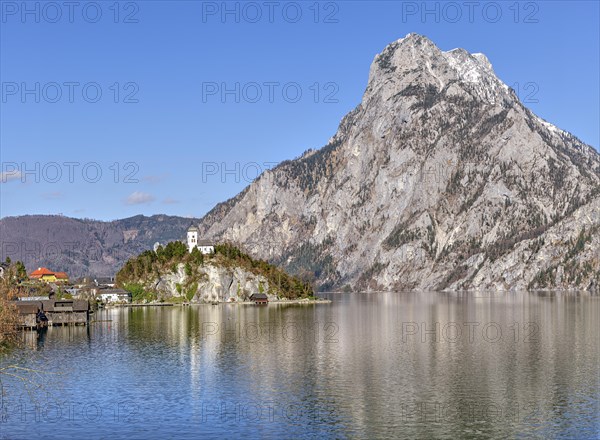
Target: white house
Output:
[
  {"x": 105, "y": 281},
  {"x": 73, "y": 291},
  {"x": 204, "y": 246},
  {"x": 115, "y": 295}
]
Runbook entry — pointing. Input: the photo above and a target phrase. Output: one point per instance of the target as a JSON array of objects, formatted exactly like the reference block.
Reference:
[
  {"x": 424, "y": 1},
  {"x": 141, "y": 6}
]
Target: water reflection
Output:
[{"x": 401, "y": 365}]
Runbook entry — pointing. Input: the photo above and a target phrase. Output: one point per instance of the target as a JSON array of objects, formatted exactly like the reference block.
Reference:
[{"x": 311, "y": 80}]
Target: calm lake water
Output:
[{"x": 393, "y": 365}]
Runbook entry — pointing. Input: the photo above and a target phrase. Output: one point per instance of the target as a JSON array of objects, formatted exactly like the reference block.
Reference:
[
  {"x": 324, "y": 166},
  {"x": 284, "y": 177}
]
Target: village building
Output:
[
  {"x": 204, "y": 246},
  {"x": 105, "y": 281},
  {"x": 115, "y": 296},
  {"x": 48, "y": 276},
  {"x": 75, "y": 292}
]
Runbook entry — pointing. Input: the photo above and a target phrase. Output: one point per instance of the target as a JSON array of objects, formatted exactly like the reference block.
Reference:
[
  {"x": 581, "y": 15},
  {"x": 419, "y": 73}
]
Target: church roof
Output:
[{"x": 192, "y": 228}]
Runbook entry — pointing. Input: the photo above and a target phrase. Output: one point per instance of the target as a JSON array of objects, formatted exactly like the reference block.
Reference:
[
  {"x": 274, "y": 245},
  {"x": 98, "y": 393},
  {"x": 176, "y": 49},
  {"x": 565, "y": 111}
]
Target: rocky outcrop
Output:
[
  {"x": 439, "y": 179},
  {"x": 226, "y": 274},
  {"x": 214, "y": 284}
]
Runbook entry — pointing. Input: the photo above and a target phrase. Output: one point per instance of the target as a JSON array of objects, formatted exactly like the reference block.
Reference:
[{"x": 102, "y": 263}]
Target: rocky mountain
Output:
[
  {"x": 84, "y": 247},
  {"x": 439, "y": 179}
]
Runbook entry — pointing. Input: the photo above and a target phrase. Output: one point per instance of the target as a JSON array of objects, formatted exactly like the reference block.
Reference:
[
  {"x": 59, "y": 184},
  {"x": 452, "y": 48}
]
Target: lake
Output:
[{"x": 378, "y": 365}]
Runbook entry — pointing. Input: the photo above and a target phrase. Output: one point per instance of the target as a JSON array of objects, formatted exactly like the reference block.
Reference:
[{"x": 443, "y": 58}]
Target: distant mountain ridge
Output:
[{"x": 85, "y": 247}]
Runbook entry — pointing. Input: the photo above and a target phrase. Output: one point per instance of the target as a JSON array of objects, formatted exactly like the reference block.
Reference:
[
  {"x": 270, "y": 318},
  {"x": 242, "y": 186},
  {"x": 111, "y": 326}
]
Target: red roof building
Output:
[
  {"x": 40, "y": 272},
  {"x": 47, "y": 275}
]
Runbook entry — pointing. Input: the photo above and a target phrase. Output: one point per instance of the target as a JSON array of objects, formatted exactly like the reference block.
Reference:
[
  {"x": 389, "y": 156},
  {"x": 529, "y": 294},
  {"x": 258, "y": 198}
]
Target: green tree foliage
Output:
[
  {"x": 138, "y": 293},
  {"x": 191, "y": 291},
  {"x": 21, "y": 271},
  {"x": 197, "y": 257}
]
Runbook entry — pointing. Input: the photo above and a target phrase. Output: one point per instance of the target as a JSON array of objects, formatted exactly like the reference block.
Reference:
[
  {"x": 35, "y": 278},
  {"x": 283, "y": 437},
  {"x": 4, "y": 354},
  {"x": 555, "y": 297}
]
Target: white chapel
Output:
[{"x": 204, "y": 246}]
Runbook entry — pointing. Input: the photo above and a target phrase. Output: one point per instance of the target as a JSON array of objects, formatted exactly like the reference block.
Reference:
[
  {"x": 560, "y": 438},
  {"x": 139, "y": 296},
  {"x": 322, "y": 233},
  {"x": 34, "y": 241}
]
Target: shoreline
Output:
[{"x": 303, "y": 301}]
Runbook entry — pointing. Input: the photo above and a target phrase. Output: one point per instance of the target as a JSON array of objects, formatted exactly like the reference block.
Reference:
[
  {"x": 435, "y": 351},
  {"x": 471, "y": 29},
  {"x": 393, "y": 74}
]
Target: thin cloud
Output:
[
  {"x": 52, "y": 195},
  {"x": 170, "y": 201},
  {"x": 7, "y": 176},
  {"x": 139, "y": 198},
  {"x": 155, "y": 178}
]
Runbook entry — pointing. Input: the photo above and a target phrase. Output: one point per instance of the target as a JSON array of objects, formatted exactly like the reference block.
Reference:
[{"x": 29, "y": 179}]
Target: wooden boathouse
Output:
[
  {"x": 259, "y": 298},
  {"x": 28, "y": 314},
  {"x": 51, "y": 312}
]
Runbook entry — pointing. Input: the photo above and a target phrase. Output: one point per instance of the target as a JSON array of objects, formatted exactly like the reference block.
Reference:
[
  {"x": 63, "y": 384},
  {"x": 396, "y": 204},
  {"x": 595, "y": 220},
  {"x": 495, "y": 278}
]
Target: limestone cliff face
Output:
[
  {"x": 439, "y": 179},
  {"x": 214, "y": 283}
]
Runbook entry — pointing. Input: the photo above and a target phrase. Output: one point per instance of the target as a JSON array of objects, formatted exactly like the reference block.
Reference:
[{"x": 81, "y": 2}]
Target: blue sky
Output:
[{"x": 159, "y": 138}]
